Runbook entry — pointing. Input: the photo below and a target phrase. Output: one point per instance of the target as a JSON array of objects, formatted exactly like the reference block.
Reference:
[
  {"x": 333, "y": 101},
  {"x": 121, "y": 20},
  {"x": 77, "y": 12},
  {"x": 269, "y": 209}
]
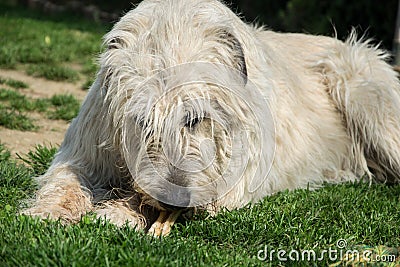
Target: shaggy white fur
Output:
[{"x": 194, "y": 108}]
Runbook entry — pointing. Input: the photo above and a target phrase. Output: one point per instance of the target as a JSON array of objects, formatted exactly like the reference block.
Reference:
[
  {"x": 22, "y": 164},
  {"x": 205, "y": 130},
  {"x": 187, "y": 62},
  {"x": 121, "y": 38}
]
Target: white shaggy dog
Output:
[{"x": 194, "y": 108}]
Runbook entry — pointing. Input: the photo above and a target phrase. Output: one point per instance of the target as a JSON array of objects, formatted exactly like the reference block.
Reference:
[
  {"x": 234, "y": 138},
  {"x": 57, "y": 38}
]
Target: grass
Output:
[
  {"x": 13, "y": 83},
  {"x": 364, "y": 216},
  {"x": 44, "y": 45},
  {"x": 14, "y": 109},
  {"x": 53, "y": 72},
  {"x": 66, "y": 107},
  {"x": 12, "y": 119},
  {"x": 16, "y": 100}
]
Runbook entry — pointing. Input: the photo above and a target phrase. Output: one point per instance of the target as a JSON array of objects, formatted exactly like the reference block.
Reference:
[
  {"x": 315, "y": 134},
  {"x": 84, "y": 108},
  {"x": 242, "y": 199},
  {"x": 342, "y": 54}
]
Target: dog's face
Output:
[
  {"x": 179, "y": 146},
  {"x": 180, "y": 110}
]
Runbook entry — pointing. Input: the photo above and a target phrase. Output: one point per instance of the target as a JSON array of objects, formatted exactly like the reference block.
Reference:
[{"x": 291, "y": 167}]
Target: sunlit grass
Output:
[
  {"x": 366, "y": 217},
  {"x": 13, "y": 83},
  {"x": 15, "y": 108},
  {"x": 53, "y": 72},
  {"x": 65, "y": 107},
  {"x": 43, "y": 46},
  {"x": 14, "y": 119}
]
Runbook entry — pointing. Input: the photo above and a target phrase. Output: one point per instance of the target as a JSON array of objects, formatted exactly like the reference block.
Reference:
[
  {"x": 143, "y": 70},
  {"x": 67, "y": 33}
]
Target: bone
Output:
[{"x": 162, "y": 226}]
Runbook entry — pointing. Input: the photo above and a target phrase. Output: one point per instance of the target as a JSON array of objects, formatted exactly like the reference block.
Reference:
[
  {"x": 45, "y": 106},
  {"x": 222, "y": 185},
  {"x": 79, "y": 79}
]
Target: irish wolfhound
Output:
[{"x": 193, "y": 108}]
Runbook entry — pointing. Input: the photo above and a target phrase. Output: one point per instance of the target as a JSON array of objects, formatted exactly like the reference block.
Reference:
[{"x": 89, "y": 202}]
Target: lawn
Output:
[
  {"x": 365, "y": 217},
  {"x": 359, "y": 217},
  {"x": 15, "y": 106},
  {"x": 46, "y": 46}
]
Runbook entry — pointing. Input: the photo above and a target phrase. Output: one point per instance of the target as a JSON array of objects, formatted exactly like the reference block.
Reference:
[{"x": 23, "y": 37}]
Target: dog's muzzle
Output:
[{"x": 176, "y": 199}]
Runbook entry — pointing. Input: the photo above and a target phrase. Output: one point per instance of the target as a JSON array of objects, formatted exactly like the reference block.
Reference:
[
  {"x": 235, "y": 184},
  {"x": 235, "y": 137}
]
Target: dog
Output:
[{"x": 194, "y": 109}]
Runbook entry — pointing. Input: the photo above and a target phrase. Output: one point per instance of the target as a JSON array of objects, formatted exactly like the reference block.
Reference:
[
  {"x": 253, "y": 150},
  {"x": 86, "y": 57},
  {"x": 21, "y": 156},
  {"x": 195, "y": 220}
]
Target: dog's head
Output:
[{"x": 176, "y": 82}]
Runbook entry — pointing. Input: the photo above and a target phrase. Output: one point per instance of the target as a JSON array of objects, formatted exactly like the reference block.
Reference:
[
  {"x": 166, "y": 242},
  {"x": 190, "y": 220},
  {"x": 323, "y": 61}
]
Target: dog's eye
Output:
[
  {"x": 140, "y": 122},
  {"x": 191, "y": 122}
]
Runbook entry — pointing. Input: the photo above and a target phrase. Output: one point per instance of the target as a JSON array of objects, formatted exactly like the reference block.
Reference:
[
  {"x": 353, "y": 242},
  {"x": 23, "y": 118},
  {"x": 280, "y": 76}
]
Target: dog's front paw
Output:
[{"x": 53, "y": 213}]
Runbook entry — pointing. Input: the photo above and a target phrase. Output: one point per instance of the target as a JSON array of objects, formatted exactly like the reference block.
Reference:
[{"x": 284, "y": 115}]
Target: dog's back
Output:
[{"x": 363, "y": 88}]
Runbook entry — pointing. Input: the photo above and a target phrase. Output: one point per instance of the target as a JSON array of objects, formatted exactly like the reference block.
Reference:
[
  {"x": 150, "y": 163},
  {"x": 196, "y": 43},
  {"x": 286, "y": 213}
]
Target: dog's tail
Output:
[{"x": 366, "y": 91}]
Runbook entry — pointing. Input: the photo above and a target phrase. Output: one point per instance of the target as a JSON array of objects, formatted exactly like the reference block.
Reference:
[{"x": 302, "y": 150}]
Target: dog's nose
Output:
[
  {"x": 175, "y": 200},
  {"x": 170, "y": 207}
]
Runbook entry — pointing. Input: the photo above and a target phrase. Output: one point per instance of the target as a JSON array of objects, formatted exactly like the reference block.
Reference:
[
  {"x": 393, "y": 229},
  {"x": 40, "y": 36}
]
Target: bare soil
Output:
[{"x": 50, "y": 132}]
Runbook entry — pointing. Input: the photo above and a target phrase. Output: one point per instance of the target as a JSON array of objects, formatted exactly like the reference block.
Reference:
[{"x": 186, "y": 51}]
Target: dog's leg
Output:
[
  {"x": 79, "y": 167},
  {"x": 367, "y": 92},
  {"x": 61, "y": 196}
]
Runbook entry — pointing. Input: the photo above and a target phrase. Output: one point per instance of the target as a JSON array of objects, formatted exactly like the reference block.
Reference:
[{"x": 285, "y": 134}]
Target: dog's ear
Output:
[{"x": 239, "y": 60}]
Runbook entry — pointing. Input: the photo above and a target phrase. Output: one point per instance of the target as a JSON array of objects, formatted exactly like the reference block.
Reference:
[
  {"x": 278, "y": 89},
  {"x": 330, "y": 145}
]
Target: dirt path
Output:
[{"x": 50, "y": 132}]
